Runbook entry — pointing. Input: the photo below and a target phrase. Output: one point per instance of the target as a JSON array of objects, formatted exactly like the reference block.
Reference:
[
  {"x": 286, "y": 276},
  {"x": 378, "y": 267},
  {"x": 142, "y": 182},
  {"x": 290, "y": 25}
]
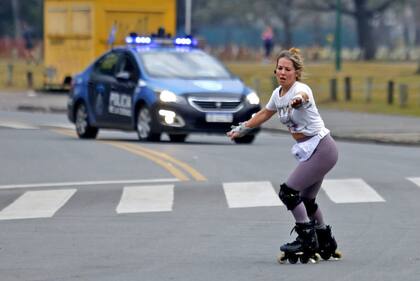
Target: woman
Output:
[{"x": 315, "y": 150}]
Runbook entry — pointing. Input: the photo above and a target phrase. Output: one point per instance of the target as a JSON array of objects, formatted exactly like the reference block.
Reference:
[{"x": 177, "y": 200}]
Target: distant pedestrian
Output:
[
  {"x": 267, "y": 37},
  {"x": 315, "y": 150},
  {"x": 28, "y": 38}
]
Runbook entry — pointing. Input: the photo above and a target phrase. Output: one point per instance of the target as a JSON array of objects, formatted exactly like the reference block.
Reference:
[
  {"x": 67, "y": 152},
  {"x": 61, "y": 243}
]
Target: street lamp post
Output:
[{"x": 188, "y": 6}]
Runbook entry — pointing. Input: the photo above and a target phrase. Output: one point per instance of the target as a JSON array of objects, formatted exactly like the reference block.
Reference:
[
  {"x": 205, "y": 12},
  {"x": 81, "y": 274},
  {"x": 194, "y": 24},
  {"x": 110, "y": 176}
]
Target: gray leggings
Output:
[{"x": 308, "y": 175}]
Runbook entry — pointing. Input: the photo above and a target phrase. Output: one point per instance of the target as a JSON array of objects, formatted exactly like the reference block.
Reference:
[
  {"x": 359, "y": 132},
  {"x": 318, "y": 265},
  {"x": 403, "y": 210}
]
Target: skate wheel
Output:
[
  {"x": 281, "y": 258},
  {"x": 304, "y": 258},
  {"x": 293, "y": 259},
  {"x": 325, "y": 255},
  {"x": 337, "y": 255},
  {"x": 316, "y": 258}
]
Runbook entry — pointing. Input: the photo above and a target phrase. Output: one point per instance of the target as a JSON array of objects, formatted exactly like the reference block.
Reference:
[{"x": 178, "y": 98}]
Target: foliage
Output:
[
  {"x": 29, "y": 12},
  {"x": 318, "y": 76}
]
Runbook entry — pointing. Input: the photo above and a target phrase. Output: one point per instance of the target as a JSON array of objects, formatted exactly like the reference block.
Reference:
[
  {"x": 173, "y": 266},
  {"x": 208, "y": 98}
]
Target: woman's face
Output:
[{"x": 285, "y": 72}]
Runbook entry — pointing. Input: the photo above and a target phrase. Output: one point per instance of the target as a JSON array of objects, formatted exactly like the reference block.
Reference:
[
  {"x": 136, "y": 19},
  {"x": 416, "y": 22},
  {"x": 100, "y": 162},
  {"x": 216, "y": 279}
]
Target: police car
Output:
[{"x": 159, "y": 85}]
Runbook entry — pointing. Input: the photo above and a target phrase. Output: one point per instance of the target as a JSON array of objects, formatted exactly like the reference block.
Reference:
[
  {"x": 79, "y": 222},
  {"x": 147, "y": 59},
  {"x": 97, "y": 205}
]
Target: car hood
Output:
[{"x": 232, "y": 87}]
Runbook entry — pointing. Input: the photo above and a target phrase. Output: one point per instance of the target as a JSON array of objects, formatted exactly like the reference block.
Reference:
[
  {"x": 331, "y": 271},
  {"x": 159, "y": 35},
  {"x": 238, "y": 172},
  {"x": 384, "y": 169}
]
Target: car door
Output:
[
  {"x": 101, "y": 82},
  {"x": 121, "y": 96}
]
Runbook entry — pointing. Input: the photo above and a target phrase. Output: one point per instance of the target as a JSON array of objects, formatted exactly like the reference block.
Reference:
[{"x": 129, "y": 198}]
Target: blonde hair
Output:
[{"x": 294, "y": 55}]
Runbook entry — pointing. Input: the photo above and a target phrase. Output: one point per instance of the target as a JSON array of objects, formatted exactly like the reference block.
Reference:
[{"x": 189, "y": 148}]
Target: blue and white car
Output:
[{"x": 156, "y": 86}]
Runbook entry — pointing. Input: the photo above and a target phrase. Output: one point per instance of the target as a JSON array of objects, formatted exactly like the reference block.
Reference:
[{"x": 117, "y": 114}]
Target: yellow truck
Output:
[{"x": 78, "y": 31}]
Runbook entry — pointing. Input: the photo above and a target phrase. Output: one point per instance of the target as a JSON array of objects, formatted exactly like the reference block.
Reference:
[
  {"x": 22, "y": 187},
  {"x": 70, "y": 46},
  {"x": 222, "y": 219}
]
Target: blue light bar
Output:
[
  {"x": 185, "y": 41},
  {"x": 133, "y": 38},
  {"x": 138, "y": 40},
  {"x": 129, "y": 40},
  {"x": 143, "y": 40}
]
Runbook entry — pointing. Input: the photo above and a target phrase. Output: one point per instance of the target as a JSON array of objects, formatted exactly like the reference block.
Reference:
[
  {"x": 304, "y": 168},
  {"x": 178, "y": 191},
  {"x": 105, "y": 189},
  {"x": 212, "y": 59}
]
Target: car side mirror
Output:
[{"x": 123, "y": 75}]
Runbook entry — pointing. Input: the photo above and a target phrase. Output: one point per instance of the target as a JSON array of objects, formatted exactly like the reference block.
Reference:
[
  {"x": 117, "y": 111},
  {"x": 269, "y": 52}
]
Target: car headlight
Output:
[
  {"x": 253, "y": 98},
  {"x": 167, "y": 96}
]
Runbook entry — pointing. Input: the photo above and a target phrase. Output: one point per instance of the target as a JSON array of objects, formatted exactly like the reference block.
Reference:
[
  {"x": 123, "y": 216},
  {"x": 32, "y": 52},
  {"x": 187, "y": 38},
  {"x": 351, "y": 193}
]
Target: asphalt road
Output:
[{"x": 118, "y": 209}]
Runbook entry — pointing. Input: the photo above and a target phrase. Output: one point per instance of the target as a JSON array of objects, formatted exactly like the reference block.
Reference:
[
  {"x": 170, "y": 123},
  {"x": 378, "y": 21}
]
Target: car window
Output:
[
  {"x": 107, "y": 64},
  {"x": 127, "y": 65},
  {"x": 177, "y": 64}
]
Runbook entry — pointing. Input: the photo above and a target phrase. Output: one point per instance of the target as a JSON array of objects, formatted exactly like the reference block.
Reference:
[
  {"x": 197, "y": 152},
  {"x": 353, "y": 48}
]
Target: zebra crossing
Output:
[{"x": 149, "y": 198}]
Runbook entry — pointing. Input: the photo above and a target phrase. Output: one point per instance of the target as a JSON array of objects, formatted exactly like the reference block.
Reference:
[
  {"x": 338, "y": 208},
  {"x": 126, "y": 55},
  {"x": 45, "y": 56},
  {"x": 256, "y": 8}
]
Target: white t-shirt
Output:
[{"x": 306, "y": 119}]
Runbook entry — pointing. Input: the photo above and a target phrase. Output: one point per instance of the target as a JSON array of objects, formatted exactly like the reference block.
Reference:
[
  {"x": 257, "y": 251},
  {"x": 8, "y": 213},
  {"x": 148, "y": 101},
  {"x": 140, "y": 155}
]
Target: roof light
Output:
[
  {"x": 129, "y": 40},
  {"x": 185, "y": 41},
  {"x": 143, "y": 40}
]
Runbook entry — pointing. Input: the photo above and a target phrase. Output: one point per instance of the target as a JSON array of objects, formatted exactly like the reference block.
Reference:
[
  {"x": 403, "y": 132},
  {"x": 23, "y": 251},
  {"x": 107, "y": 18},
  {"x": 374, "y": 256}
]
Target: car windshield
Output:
[{"x": 185, "y": 65}]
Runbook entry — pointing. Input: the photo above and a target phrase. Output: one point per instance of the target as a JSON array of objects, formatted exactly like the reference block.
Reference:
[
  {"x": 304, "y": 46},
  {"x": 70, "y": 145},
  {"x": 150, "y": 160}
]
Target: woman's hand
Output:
[
  {"x": 238, "y": 131},
  {"x": 232, "y": 135},
  {"x": 298, "y": 100}
]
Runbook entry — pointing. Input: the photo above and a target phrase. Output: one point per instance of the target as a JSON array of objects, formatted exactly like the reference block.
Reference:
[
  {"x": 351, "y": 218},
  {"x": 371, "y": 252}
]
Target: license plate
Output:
[{"x": 219, "y": 117}]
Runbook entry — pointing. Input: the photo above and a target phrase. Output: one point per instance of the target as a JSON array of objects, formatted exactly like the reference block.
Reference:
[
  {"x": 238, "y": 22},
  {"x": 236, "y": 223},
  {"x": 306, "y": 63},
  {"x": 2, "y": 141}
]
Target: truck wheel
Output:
[
  {"x": 144, "y": 125},
  {"x": 83, "y": 129}
]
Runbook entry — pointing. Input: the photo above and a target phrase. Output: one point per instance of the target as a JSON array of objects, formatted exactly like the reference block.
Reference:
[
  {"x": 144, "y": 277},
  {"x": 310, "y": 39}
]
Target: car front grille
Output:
[{"x": 215, "y": 104}]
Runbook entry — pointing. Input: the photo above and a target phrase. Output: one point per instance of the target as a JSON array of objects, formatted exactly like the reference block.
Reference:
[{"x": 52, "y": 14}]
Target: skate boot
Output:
[
  {"x": 304, "y": 248},
  {"x": 327, "y": 244}
]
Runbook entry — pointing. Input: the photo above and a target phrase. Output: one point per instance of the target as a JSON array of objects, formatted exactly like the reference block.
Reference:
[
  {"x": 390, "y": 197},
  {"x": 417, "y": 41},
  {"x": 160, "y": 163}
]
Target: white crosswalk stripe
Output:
[
  {"x": 141, "y": 199},
  {"x": 37, "y": 204},
  {"x": 350, "y": 191},
  {"x": 17, "y": 125},
  {"x": 25, "y": 126},
  {"x": 250, "y": 194},
  {"x": 416, "y": 181},
  {"x": 59, "y": 125}
]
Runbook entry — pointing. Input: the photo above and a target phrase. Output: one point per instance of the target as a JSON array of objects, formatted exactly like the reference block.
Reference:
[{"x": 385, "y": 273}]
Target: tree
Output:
[
  {"x": 363, "y": 12},
  {"x": 30, "y": 12},
  {"x": 277, "y": 13},
  {"x": 282, "y": 11}
]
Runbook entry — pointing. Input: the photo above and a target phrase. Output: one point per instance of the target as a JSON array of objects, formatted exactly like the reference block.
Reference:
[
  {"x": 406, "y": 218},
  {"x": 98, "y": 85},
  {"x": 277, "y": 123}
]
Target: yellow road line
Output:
[
  {"x": 162, "y": 159},
  {"x": 167, "y": 165},
  {"x": 193, "y": 172}
]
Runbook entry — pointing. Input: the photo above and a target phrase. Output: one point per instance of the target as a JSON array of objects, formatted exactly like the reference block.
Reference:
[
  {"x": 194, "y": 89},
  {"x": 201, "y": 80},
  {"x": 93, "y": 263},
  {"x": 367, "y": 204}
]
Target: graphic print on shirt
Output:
[{"x": 285, "y": 114}]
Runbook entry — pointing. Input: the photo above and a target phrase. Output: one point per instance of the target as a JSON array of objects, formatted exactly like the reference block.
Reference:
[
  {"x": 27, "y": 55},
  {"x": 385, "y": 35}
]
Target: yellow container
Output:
[{"x": 78, "y": 31}]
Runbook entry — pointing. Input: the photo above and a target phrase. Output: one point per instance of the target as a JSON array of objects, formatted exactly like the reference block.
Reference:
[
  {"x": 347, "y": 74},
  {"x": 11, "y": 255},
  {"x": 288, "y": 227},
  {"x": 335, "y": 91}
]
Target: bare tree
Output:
[
  {"x": 363, "y": 12},
  {"x": 284, "y": 12}
]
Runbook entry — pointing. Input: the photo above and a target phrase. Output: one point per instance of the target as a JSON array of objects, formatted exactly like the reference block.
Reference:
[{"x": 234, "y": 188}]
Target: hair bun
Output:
[{"x": 294, "y": 51}]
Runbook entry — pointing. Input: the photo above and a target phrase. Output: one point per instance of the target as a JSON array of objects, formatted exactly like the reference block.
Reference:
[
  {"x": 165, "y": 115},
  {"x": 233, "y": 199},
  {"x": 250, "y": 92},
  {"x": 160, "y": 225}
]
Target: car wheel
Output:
[
  {"x": 177, "y": 137},
  {"x": 83, "y": 129},
  {"x": 144, "y": 125},
  {"x": 245, "y": 139}
]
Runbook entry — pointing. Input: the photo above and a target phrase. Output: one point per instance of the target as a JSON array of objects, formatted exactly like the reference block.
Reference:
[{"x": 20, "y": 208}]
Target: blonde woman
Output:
[{"x": 315, "y": 150}]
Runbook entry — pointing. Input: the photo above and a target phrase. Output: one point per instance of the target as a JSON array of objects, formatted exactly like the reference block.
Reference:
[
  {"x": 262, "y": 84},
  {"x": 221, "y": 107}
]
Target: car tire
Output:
[
  {"x": 245, "y": 139},
  {"x": 83, "y": 129},
  {"x": 177, "y": 137},
  {"x": 144, "y": 125}
]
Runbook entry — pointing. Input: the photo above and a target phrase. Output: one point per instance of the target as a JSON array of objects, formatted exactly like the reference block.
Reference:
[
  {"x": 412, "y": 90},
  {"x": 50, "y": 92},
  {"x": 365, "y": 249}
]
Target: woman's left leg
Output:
[{"x": 309, "y": 200}]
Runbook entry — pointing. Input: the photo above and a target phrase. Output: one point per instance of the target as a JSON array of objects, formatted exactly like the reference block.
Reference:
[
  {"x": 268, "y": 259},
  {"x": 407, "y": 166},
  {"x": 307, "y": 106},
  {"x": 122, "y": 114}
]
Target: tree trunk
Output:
[
  {"x": 288, "y": 39},
  {"x": 416, "y": 9},
  {"x": 365, "y": 30}
]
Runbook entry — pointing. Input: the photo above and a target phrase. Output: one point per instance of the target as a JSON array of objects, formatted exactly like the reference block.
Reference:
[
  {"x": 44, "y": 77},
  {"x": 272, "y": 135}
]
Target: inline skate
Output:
[
  {"x": 327, "y": 245},
  {"x": 304, "y": 248}
]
